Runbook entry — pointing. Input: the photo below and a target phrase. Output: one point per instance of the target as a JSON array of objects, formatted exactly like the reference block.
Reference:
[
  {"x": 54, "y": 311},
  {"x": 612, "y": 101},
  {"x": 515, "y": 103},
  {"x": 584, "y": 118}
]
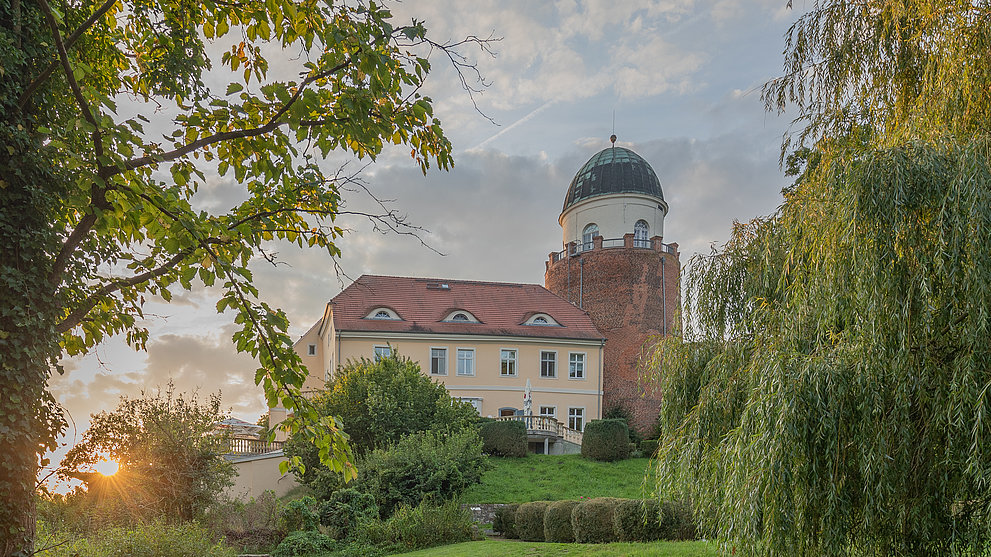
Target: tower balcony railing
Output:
[{"x": 628, "y": 241}]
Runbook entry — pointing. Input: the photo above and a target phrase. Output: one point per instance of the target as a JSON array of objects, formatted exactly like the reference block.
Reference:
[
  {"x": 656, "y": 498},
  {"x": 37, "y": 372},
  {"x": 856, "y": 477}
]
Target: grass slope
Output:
[
  {"x": 505, "y": 548},
  {"x": 556, "y": 478}
]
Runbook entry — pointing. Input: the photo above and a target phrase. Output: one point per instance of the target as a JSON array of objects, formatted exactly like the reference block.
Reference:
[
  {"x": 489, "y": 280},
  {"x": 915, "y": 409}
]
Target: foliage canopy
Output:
[
  {"x": 378, "y": 403},
  {"x": 829, "y": 393},
  {"x": 112, "y": 115},
  {"x": 169, "y": 452}
]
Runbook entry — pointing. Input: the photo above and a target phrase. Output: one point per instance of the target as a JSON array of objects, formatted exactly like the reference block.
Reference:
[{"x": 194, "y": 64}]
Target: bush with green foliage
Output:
[
  {"x": 530, "y": 521},
  {"x": 153, "y": 539},
  {"x": 504, "y": 521},
  {"x": 638, "y": 521},
  {"x": 170, "y": 460},
  {"x": 606, "y": 440},
  {"x": 299, "y": 515},
  {"x": 505, "y": 438},
  {"x": 620, "y": 412},
  {"x": 421, "y": 466},
  {"x": 379, "y": 403},
  {"x": 429, "y": 524},
  {"x": 648, "y": 448},
  {"x": 304, "y": 543},
  {"x": 557, "y": 522},
  {"x": 592, "y": 520},
  {"x": 251, "y": 527},
  {"x": 344, "y": 510}
]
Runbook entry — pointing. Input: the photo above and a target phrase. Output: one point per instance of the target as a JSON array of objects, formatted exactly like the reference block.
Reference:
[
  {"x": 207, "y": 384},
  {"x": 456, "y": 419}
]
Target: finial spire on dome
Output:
[{"x": 612, "y": 139}]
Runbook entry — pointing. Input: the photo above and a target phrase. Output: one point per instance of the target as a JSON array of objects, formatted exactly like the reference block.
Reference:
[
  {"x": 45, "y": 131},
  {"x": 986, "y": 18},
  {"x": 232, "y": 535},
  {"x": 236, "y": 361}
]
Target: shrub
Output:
[
  {"x": 422, "y": 465},
  {"x": 677, "y": 521},
  {"x": 637, "y": 521},
  {"x": 592, "y": 520},
  {"x": 427, "y": 525},
  {"x": 530, "y": 521},
  {"x": 557, "y": 522},
  {"x": 155, "y": 539},
  {"x": 250, "y": 527},
  {"x": 504, "y": 521},
  {"x": 621, "y": 412},
  {"x": 606, "y": 440},
  {"x": 648, "y": 448},
  {"x": 379, "y": 403},
  {"x": 345, "y": 509},
  {"x": 304, "y": 544},
  {"x": 299, "y": 514},
  {"x": 506, "y": 438}
]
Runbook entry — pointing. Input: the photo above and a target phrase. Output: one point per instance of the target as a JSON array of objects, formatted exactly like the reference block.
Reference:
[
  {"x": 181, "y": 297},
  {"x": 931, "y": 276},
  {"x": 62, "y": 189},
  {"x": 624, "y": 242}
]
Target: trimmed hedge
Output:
[
  {"x": 505, "y": 521},
  {"x": 606, "y": 440},
  {"x": 507, "y": 438},
  {"x": 642, "y": 521},
  {"x": 557, "y": 522},
  {"x": 530, "y": 521},
  {"x": 638, "y": 521},
  {"x": 592, "y": 520},
  {"x": 648, "y": 448}
]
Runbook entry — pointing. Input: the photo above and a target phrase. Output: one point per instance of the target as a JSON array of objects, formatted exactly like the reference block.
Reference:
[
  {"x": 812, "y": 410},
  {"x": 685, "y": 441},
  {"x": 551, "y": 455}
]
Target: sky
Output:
[{"x": 682, "y": 80}]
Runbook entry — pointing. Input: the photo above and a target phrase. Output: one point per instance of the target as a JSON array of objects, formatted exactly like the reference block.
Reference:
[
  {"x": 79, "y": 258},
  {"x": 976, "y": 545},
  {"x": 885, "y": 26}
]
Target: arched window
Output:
[
  {"x": 383, "y": 313},
  {"x": 540, "y": 320},
  {"x": 460, "y": 317},
  {"x": 641, "y": 234},
  {"x": 591, "y": 231}
]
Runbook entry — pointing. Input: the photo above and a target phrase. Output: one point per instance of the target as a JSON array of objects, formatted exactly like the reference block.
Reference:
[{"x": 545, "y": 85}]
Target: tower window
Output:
[
  {"x": 591, "y": 231},
  {"x": 641, "y": 234}
]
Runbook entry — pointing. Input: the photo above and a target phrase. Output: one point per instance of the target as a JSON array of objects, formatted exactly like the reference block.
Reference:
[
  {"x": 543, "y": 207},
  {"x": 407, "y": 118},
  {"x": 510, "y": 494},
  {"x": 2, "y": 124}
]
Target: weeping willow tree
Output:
[{"x": 830, "y": 391}]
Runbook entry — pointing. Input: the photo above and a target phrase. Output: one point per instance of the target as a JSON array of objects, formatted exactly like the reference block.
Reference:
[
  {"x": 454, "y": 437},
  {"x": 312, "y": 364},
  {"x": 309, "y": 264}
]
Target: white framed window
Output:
[
  {"x": 461, "y": 316},
  {"x": 576, "y": 418},
  {"x": 311, "y": 349},
  {"x": 591, "y": 231},
  {"x": 382, "y": 352},
  {"x": 542, "y": 319},
  {"x": 576, "y": 365},
  {"x": 438, "y": 361},
  {"x": 383, "y": 313},
  {"x": 507, "y": 362},
  {"x": 475, "y": 402},
  {"x": 548, "y": 411},
  {"x": 466, "y": 361},
  {"x": 641, "y": 232},
  {"x": 548, "y": 364}
]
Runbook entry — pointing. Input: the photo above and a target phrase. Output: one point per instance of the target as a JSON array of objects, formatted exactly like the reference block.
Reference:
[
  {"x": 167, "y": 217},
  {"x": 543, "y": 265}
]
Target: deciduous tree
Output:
[
  {"x": 112, "y": 115},
  {"x": 829, "y": 393}
]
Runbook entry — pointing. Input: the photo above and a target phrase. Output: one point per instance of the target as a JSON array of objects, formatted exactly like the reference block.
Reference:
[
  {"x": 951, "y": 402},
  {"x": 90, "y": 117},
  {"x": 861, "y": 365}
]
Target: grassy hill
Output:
[{"x": 555, "y": 478}]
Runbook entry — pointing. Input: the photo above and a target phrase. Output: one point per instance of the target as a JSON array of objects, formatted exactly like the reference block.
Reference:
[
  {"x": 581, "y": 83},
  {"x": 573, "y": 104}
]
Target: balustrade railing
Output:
[
  {"x": 546, "y": 424},
  {"x": 608, "y": 243},
  {"x": 239, "y": 445}
]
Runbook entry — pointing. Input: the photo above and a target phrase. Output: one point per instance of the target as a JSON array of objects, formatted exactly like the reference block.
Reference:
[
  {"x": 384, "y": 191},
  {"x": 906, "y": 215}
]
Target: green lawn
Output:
[
  {"x": 508, "y": 548},
  {"x": 556, "y": 478}
]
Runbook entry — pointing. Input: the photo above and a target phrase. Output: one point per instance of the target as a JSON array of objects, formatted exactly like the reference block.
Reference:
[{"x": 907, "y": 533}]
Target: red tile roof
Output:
[{"x": 423, "y": 303}]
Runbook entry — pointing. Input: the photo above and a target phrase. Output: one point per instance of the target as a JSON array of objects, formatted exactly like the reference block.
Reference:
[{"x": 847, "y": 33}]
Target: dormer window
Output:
[
  {"x": 384, "y": 314},
  {"x": 542, "y": 319},
  {"x": 461, "y": 316}
]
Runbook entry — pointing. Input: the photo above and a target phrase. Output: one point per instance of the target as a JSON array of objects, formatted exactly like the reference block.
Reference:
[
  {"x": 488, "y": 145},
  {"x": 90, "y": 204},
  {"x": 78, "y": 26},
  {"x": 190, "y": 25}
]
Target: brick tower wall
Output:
[{"x": 631, "y": 294}]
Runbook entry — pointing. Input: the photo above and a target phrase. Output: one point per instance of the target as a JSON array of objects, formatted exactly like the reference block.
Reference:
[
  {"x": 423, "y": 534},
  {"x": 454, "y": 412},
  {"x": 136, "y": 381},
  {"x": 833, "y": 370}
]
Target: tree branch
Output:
[
  {"x": 76, "y": 316},
  {"x": 69, "y": 41},
  {"x": 271, "y": 125}
]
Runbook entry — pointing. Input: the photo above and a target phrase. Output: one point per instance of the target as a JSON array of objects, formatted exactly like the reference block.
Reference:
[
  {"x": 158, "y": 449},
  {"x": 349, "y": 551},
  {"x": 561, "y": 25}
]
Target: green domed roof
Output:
[{"x": 613, "y": 170}]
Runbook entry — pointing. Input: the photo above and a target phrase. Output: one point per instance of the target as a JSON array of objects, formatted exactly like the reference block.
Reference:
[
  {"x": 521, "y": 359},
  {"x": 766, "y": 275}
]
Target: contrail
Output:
[{"x": 522, "y": 120}]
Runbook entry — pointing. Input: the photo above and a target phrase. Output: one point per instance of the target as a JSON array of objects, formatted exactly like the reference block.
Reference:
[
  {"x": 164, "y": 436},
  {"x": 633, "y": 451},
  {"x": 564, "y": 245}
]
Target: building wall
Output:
[
  {"x": 257, "y": 474},
  {"x": 631, "y": 295},
  {"x": 494, "y": 390},
  {"x": 615, "y": 215}
]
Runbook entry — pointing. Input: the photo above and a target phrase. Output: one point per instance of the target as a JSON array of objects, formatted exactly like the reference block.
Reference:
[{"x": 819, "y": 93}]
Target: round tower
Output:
[{"x": 615, "y": 266}]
